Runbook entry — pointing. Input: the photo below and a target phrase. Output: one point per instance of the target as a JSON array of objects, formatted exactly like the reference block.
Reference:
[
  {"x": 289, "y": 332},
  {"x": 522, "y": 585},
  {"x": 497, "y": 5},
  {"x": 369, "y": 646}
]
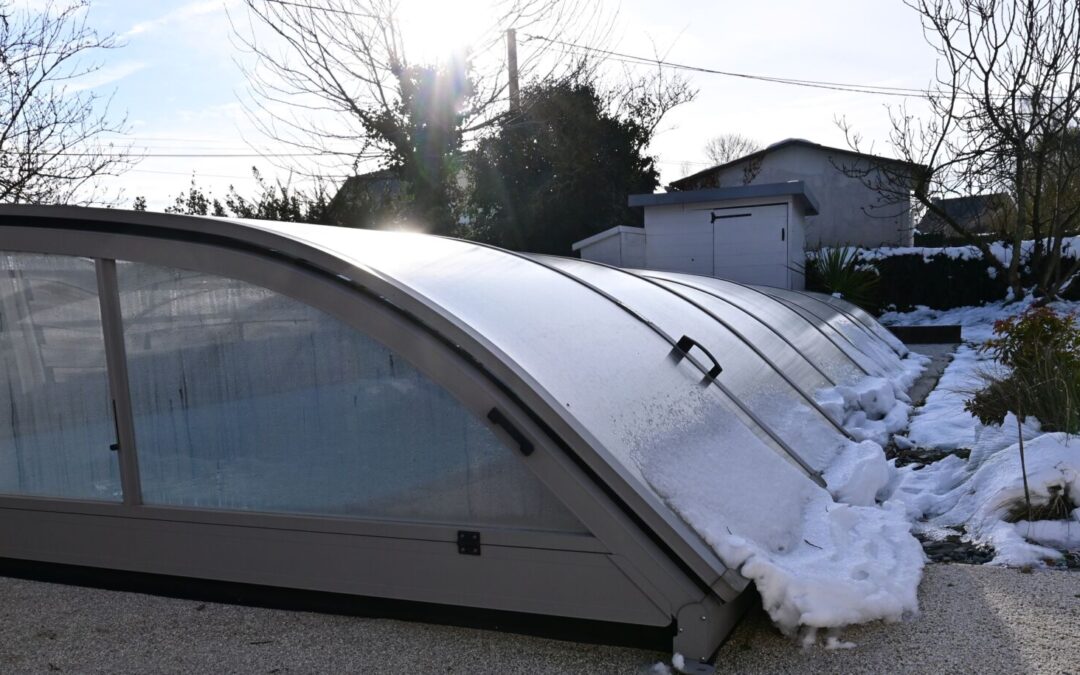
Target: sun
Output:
[{"x": 434, "y": 30}]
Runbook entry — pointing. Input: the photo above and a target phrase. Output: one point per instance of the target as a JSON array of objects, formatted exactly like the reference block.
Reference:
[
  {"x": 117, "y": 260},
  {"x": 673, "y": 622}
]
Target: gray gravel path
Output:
[{"x": 975, "y": 620}]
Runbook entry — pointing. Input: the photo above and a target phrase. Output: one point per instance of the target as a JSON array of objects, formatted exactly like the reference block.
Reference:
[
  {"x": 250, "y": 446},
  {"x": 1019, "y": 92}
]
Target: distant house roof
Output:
[
  {"x": 793, "y": 188},
  {"x": 689, "y": 181},
  {"x": 974, "y": 213}
]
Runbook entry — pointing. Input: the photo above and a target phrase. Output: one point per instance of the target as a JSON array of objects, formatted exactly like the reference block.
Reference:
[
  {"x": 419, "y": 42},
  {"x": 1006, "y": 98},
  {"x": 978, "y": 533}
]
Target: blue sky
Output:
[{"x": 177, "y": 80}]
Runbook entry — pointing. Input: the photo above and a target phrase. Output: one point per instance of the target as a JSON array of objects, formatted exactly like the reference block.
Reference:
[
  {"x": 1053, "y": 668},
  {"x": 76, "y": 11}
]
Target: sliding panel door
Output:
[
  {"x": 56, "y": 424},
  {"x": 244, "y": 399}
]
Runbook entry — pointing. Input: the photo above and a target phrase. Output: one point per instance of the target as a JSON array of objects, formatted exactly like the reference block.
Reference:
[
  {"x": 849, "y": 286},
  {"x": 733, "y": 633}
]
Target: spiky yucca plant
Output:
[{"x": 842, "y": 271}]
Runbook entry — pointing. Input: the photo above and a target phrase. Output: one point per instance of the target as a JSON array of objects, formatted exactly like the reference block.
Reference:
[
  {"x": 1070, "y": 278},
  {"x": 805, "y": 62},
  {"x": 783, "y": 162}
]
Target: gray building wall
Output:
[
  {"x": 850, "y": 212},
  {"x": 620, "y": 246}
]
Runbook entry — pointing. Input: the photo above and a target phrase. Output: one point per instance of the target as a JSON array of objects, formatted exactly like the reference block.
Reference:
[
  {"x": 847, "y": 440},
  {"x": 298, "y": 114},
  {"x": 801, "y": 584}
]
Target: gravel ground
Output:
[{"x": 975, "y": 619}]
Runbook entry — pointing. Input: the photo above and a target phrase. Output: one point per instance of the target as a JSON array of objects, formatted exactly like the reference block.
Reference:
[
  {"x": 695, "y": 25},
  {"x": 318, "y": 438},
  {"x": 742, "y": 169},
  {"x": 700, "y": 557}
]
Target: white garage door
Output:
[{"x": 750, "y": 244}]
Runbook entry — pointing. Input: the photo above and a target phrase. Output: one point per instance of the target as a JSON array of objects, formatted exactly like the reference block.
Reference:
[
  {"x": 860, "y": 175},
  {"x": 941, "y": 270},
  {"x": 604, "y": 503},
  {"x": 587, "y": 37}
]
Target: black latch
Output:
[{"x": 468, "y": 542}]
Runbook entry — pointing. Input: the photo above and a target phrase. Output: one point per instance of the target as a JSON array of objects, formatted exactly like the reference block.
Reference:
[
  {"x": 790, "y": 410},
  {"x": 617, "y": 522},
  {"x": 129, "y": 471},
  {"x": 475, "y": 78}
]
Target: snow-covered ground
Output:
[
  {"x": 855, "y": 558},
  {"x": 827, "y": 558},
  {"x": 979, "y": 495}
]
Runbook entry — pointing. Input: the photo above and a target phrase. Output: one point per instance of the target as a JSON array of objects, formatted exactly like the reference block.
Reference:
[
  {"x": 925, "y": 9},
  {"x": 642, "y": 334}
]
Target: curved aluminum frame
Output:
[
  {"x": 721, "y": 289},
  {"x": 882, "y": 353},
  {"x": 644, "y": 564},
  {"x": 658, "y": 565}
]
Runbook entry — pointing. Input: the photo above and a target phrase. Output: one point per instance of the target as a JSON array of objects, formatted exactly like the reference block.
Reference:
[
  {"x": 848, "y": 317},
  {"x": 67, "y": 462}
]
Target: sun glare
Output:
[{"x": 434, "y": 30}]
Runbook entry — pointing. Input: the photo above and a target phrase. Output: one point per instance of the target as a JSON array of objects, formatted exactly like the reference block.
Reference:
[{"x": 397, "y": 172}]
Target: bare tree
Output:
[
  {"x": 1002, "y": 119},
  {"x": 727, "y": 147},
  {"x": 334, "y": 78},
  {"x": 53, "y": 133}
]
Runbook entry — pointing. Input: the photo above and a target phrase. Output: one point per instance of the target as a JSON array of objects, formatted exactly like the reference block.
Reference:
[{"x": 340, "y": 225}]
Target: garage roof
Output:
[{"x": 794, "y": 188}]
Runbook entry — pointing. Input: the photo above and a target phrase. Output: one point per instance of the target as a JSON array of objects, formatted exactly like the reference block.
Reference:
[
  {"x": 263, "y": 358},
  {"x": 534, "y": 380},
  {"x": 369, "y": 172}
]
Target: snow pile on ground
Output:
[
  {"x": 850, "y": 557},
  {"x": 854, "y": 564},
  {"x": 821, "y": 558},
  {"x": 859, "y": 475},
  {"x": 875, "y": 408},
  {"x": 983, "y": 493},
  {"x": 952, "y": 493}
]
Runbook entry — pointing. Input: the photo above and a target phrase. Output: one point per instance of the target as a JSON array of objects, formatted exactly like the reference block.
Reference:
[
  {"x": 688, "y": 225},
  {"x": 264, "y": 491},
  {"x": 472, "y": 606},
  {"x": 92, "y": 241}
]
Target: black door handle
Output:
[
  {"x": 115, "y": 447},
  {"x": 686, "y": 343}
]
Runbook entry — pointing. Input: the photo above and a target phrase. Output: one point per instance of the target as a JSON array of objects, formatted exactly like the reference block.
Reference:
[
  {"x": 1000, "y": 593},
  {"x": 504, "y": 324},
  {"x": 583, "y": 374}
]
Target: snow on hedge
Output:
[{"x": 1070, "y": 247}]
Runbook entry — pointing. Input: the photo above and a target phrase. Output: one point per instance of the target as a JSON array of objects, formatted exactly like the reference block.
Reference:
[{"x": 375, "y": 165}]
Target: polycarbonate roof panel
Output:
[
  {"x": 780, "y": 407},
  {"x": 782, "y": 357},
  {"x": 804, "y": 334},
  {"x": 864, "y": 317},
  {"x": 859, "y": 336},
  {"x": 611, "y": 377}
]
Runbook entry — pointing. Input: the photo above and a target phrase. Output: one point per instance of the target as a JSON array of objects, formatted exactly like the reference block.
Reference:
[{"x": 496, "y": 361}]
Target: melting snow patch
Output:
[
  {"x": 859, "y": 474},
  {"x": 953, "y": 492}
]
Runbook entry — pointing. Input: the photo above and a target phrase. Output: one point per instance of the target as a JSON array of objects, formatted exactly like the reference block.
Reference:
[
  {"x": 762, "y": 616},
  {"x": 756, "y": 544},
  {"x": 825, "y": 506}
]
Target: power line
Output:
[
  {"x": 186, "y": 155},
  {"x": 881, "y": 90},
  {"x": 194, "y": 174},
  {"x": 329, "y": 10}
]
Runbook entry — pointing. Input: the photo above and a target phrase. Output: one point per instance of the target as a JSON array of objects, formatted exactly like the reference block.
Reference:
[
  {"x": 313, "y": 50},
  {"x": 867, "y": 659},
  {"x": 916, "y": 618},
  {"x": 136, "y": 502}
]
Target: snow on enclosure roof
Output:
[{"x": 698, "y": 402}]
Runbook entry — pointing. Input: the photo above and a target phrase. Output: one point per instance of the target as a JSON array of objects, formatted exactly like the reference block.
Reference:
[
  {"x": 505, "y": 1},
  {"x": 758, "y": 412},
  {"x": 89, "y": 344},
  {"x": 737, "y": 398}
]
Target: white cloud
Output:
[
  {"x": 106, "y": 75},
  {"x": 188, "y": 11}
]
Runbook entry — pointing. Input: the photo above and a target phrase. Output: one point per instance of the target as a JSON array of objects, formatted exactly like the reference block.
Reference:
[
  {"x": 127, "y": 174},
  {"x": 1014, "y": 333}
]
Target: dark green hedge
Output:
[
  {"x": 939, "y": 282},
  {"x": 936, "y": 281}
]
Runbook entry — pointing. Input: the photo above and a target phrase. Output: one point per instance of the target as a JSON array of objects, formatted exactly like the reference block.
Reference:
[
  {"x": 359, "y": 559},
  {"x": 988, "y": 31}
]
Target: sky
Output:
[{"x": 178, "y": 78}]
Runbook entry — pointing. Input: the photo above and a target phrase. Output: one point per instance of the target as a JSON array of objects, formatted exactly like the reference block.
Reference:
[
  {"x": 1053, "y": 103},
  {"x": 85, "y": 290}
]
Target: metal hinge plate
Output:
[{"x": 468, "y": 542}]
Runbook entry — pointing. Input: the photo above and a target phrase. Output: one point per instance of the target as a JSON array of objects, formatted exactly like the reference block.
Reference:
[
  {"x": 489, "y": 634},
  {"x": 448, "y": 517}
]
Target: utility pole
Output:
[{"x": 512, "y": 65}]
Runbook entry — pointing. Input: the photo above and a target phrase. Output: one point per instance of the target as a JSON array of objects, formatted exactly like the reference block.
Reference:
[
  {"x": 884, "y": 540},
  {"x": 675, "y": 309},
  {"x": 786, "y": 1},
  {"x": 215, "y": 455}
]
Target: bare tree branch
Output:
[
  {"x": 54, "y": 136},
  {"x": 1002, "y": 120},
  {"x": 727, "y": 147}
]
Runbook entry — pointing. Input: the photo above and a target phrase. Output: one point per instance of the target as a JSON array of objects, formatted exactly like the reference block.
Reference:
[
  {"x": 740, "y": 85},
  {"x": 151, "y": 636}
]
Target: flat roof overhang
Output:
[
  {"x": 610, "y": 232},
  {"x": 795, "y": 189}
]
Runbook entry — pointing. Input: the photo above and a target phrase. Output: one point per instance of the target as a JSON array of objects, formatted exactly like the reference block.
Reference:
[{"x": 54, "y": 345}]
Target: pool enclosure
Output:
[{"x": 403, "y": 416}]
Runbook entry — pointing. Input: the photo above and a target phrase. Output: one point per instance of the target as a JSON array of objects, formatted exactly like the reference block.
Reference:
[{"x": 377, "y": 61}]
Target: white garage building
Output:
[{"x": 752, "y": 234}]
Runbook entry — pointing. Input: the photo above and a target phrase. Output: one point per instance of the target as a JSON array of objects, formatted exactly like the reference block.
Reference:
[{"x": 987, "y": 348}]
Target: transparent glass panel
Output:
[
  {"x": 55, "y": 412},
  {"x": 795, "y": 328},
  {"x": 247, "y": 399}
]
